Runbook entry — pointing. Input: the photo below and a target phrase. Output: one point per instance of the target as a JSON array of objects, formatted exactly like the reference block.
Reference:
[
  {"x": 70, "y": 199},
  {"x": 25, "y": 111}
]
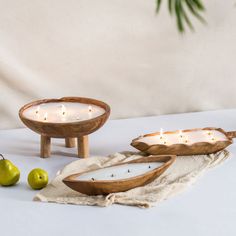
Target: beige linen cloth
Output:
[{"x": 183, "y": 173}]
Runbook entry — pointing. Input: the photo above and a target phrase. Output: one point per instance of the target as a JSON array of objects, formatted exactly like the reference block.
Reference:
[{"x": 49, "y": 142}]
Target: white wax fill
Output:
[
  {"x": 63, "y": 112},
  {"x": 191, "y": 137},
  {"x": 120, "y": 172}
]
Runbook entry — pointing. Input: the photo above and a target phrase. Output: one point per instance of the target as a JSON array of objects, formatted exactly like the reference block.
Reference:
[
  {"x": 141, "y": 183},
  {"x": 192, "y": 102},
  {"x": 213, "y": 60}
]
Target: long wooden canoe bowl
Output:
[
  {"x": 182, "y": 149},
  {"x": 103, "y": 187}
]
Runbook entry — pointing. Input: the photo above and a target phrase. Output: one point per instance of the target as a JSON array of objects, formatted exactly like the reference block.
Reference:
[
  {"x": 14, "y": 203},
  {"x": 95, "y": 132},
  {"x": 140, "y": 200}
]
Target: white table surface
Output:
[{"x": 207, "y": 208}]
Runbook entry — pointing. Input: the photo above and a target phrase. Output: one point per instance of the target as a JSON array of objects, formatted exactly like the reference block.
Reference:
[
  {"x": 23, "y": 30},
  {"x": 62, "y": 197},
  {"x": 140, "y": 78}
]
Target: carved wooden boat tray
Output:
[
  {"x": 191, "y": 148},
  {"x": 143, "y": 171}
]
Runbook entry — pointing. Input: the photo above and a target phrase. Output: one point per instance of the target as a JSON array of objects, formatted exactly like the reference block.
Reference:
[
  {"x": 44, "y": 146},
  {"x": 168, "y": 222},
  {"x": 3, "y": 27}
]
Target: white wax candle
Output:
[
  {"x": 186, "y": 137},
  {"x": 120, "y": 172},
  {"x": 63, "y": 112}
]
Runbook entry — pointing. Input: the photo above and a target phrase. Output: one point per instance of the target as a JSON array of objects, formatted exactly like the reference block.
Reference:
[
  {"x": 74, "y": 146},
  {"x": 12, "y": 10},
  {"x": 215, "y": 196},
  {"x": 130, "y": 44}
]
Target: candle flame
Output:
[
  {"x": 186, "y": 140},
  {"x": 161, "y": 133},
  {"x": 181, "y": 137},
  {"x": 90, "y": 108},
  {"x": 63, "y": 109},
  {"x": 180, "y": 133},
  {"x": 45, "y": 116}
]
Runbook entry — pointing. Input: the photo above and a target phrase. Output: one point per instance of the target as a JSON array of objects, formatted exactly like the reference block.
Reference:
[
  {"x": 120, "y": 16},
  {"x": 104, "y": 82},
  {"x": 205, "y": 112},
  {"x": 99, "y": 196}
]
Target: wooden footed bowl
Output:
[
  {"x": 63, "y": 130},
  {"x": 183, "y": 149},
  {"x": 102, "y": 187}
]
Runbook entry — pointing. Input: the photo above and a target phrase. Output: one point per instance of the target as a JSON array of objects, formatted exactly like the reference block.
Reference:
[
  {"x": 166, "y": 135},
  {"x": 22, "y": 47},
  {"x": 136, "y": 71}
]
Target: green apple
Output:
[
  {"x": 9, "y": 173},
  {"x": 38, "y": 179}
]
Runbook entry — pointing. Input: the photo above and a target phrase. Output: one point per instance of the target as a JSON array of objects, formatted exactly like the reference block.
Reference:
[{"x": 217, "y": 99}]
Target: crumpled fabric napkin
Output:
[{"x": 178, "y": 177}]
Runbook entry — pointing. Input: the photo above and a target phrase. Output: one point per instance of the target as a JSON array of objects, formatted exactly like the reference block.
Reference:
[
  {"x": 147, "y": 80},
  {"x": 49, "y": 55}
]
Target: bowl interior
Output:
[{"x": 66, "y": 129}]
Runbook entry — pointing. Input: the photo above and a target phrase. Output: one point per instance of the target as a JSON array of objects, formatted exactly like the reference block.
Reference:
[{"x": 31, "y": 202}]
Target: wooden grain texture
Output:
[
  {"x": 70, "y": 142},
  {"x": 45, "y": 146},
  {"x": 231, "y": 134},
  {"x": 103, "y": 187},
  {"x": 63, "y": 130},
  {"x": 69, "y": 130},
  {"x": 83, "y": 146},
  {"x": 182, "y": 149}
]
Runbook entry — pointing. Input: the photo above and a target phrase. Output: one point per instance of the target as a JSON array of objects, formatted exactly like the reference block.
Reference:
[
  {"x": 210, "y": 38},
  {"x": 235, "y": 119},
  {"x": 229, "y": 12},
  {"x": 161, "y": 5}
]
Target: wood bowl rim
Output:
[
  {"x": 166, "y": 164},
  {"x": 91, "y": 101}
]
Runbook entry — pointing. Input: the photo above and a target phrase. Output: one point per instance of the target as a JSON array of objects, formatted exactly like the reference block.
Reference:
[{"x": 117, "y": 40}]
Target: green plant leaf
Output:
[
  {"x": 194, "y": 11},
  {"x": 179, "y": 16},
  {"x": 199, "y": 4},
  {"x": 177, "y": 7},
  {"x": 170, "y": 6},
  {"x": 158, "y": 5},
  {"x": 185, "y": 16}
]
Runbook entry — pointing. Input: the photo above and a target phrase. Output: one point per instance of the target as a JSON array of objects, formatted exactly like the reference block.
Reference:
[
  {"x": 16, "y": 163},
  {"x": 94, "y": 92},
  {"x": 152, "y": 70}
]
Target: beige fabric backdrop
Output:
[{"x": 118, "y": 51}]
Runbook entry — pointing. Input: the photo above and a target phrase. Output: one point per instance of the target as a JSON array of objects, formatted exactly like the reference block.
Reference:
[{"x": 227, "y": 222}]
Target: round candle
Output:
[
  {"x": 63, "y": 112},
  {"x": 120, "y": 172},
  {"x": 190, "y": 137}
]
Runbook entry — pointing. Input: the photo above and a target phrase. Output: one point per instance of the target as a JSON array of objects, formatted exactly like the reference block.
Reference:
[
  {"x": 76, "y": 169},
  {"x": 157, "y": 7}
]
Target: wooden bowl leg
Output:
[
  {"x": 70, "y": 142},
  {"x": 45, "y": 150},
  {"x": 83, "y": 146}
]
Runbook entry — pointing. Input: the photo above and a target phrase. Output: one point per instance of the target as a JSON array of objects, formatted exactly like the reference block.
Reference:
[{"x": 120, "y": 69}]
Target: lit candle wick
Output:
[
  {"x": 63, "y": 110},
  {"x": 162, "y": 138},
  {"x": 185, "y": 139},
  {"x": 161, "y": 134},
  {"x": 181, "y": 137},
  {"x": 90, "y": 108},
  {"x": 37, "y": 110},
  {"x": 211, "y": 136},
  {"x": 45, "y": 116},
  {"x": 209, "y": 133},
  {"x": 181, "y": 134}
]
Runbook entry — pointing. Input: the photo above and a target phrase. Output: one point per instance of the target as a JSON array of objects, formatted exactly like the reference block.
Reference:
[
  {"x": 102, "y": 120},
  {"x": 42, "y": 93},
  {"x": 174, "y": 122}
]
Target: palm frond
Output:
[
  {"x": 170, "y": 6},
  {"x": 178, "y": 14},
  {"x": 194, "y": 11},
  {"x": 181, "y": 8},
  {"x": 185, "y": 16},
  {"x": 158, "y": 5}
]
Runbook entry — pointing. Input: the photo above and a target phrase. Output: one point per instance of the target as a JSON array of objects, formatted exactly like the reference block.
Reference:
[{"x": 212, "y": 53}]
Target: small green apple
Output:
[{"x": 38, "y": 179}]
